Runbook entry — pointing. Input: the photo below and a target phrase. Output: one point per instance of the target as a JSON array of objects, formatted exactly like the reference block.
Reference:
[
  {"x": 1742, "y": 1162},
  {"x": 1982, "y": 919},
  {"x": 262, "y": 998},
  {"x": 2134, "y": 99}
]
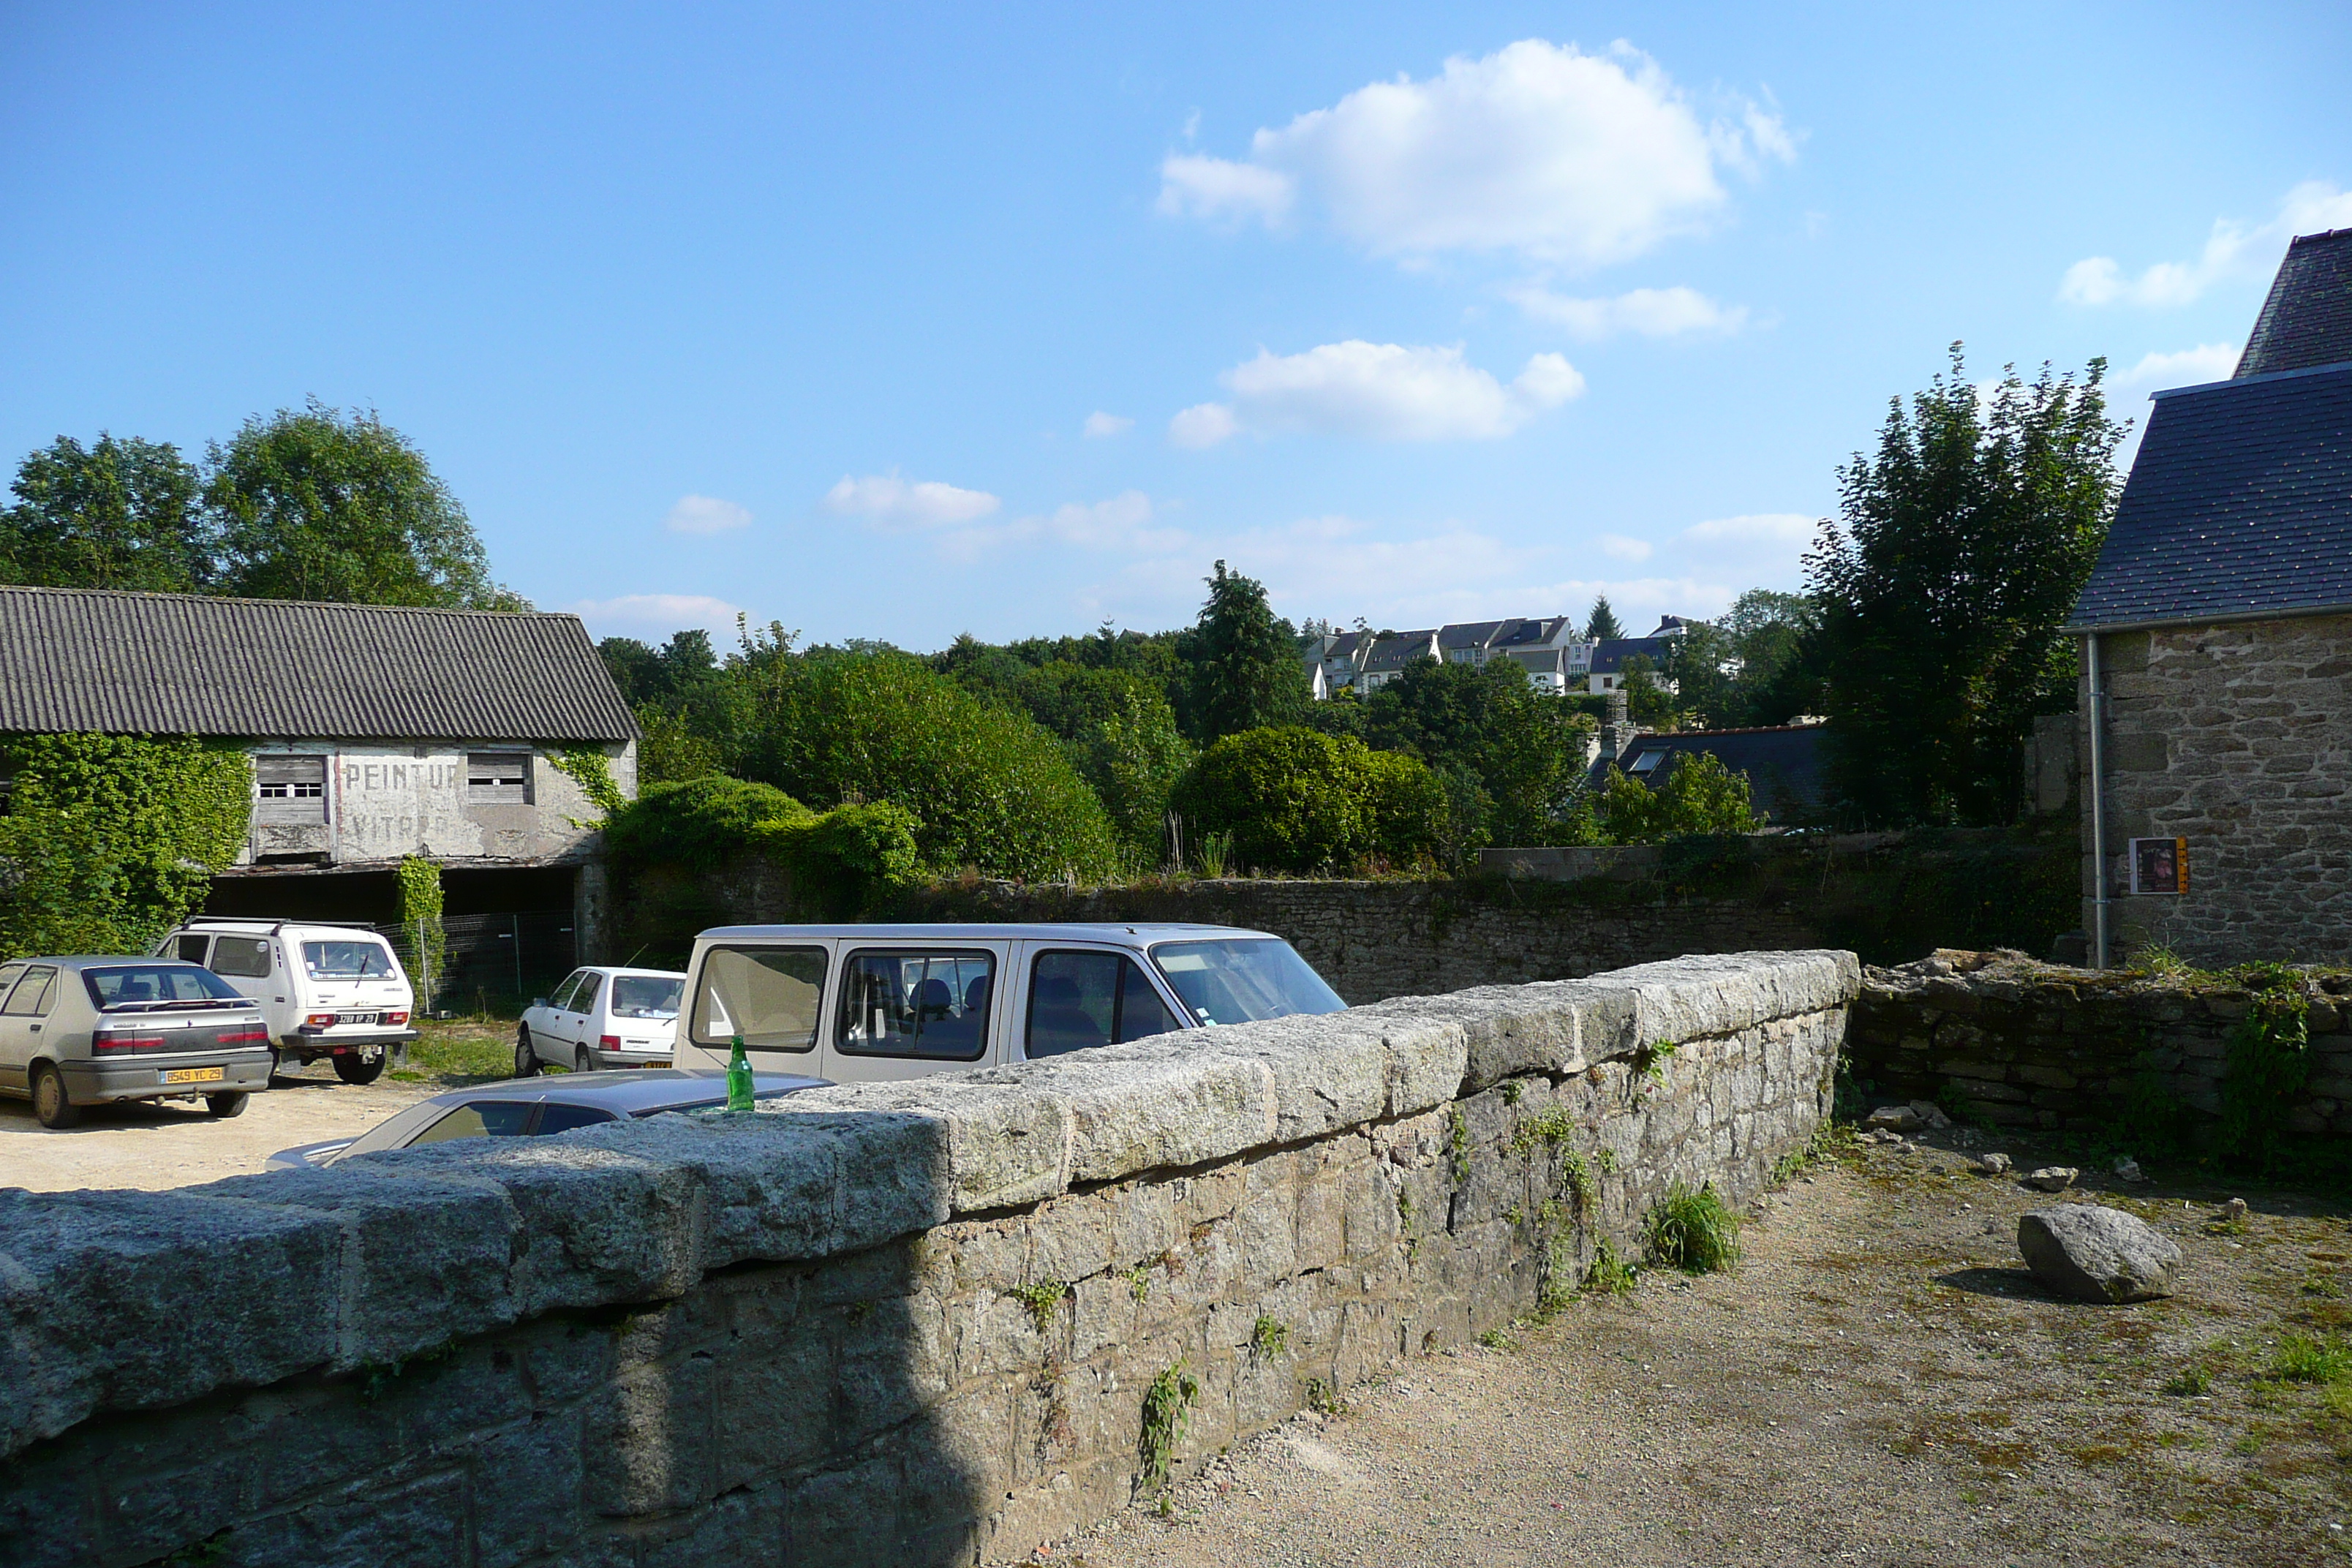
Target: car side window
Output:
[
  {"x": 10, "y": 974},
  {"x": 930, "y": 1004},
  {"x": 554, "y": 1118},
  {"x": 562, "y": 1001},
  {"x": 246, "y": 957},
  {"x": 770, "y": 995},
  {"x": 190, "y": 947},
  {"x": 478, "y": 1118},
  {"x": 590, "y": 985},
  {"x": 1078, "y": 1000},
  {"x": 29, "y": 998}
]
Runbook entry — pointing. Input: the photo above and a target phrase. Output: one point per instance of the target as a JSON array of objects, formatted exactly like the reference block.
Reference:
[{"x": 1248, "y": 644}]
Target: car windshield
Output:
[
  {"x": 647, "y": 997},
  {"x": 130, "y": 985},
  {"x": 1244, "y": 980},
  {"x": 347, "y": 960}
]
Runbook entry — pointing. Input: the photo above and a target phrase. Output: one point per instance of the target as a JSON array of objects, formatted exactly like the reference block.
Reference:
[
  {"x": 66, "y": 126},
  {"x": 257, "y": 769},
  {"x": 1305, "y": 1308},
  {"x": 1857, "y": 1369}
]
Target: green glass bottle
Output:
[{"x": 738, "y": 1079}]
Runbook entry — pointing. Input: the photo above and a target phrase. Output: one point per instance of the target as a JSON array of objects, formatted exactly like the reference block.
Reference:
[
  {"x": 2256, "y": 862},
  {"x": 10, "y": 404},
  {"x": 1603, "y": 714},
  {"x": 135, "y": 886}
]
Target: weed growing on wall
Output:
[
  {"x": 1609, "y": 1274},
  {"x": 111, "y": 840},
  {"x": 1268, "y": 1337},
  {"x": 1040, "y": 1300},
  {"x": 1167, "y": 1409},
  {"x": 2269, "y": 1060},
  {"x": 1693, "y": 1231},
  {"x": 1457, "y": 1144}
]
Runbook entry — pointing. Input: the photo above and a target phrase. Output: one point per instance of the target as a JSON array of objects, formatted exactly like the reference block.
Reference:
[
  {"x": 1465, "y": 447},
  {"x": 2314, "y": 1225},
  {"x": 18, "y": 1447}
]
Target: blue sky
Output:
[{"x": 904, "y": 322}]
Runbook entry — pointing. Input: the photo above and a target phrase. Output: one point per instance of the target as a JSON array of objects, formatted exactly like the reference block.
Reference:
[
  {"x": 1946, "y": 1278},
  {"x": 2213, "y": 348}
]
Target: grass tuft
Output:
[
  {"x": 2301, "y": 1358},
  {"x": 1693, "y": 1231}
]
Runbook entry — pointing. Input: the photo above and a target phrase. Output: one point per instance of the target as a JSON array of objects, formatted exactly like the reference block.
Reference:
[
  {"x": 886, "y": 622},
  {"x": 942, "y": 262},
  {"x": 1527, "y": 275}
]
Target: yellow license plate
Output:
[{"x": 195, "y": 1075}]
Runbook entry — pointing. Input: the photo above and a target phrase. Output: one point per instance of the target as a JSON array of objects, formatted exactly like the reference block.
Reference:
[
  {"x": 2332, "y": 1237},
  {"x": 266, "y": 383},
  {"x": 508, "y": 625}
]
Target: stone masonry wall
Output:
[
  {"x": 2033, "y": 1044},
  {"x": 907, "y": 1324},
  {"x": 2238, "y": 739}
]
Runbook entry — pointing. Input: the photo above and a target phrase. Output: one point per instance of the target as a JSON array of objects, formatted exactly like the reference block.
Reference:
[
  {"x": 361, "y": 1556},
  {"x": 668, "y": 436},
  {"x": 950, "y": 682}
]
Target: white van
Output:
[
  {"x": 862, "y": 1003},
  {"x": 328, "y": 992}
]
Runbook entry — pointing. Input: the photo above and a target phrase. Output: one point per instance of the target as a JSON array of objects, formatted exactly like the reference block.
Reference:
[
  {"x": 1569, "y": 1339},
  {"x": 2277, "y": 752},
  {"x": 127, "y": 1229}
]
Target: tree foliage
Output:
[
  {"x": 1246, "y": 673},
  {"x": 111, "y": 839},
  {"x": 1520, "y": 749},
  {"x": 315, "y": 503},
  {"x": 1602, "y": 622},
  {"x": 115, "y": 514},
  {"x": 1748, "y": 668},
  {"x": 843, "y": 862},
  {"x": 1700, "y": 797},
  {"x": 1134, "y": 757},
  {"x": 1295, "y": 800},
  {"x": 1959, "y": 549}
]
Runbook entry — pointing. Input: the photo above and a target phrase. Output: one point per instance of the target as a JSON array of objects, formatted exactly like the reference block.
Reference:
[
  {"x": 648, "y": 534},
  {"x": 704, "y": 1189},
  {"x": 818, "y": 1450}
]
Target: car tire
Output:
[
  {"x": 353, "y": 1067},
  {"x": 526, "y": 1058},
  {"x": 583, "y": 1061},
  {"x": 221, "y": 1107},
  {"x": 52, "y": 1106}
]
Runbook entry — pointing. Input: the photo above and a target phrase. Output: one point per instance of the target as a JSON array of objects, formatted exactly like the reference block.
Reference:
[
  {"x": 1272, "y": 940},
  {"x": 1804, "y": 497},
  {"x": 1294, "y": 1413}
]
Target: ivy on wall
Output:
[
  {"x": 592, "y": 771},
  {"x": 110, "y": 840},
  {"x": 420, "y": 919}
]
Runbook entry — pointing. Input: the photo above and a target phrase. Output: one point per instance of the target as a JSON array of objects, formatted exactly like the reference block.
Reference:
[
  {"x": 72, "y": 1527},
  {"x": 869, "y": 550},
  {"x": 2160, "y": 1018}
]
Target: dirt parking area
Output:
[
  {"x": 173, "y": 1143},
  {"x": 1878, "y": 1381}
]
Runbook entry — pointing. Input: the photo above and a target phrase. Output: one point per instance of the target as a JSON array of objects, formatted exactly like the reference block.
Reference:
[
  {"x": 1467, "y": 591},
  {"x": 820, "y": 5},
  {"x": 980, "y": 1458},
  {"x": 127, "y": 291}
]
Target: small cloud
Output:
[
  {"x": 2232, "y": 250},
  {"x": 1101, "y": 426},
  {"x": 1193, "y": 185},
  {"x": 1202, "y": 424},
  {"x": 888, "y": 501},
  {"x": 657, "y": 616},
  {"x": 1617, "y": 547},
  {"x": 705, "y": 515},
  {"x": 2187, "y": 367},
  {"x": 1651, "y": 312},
  {"x": 1121, "y": 522},
  {"x": 1754, "y": 527},
  {"x": 1192, "y": 125}
]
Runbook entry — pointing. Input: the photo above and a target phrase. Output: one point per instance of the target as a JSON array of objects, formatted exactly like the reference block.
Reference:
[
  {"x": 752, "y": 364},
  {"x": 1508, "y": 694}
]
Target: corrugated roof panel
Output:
[{"x": 76, "y": 660}]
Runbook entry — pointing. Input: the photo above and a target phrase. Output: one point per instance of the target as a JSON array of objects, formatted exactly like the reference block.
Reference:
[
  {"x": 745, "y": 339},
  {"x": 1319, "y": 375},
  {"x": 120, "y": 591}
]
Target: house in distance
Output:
[{"x": 377, "y": 733}]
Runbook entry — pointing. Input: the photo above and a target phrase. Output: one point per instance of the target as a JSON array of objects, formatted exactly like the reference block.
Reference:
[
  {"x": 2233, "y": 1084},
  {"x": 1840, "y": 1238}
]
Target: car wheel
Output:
[
  {"x": 52, "y": 1106},
  {"x": 583, "y": 1061},
  {"x": 526, "y": 1058},
  {"x": 221, "y": 1107},
  {"x": 352, "y": 1066}
]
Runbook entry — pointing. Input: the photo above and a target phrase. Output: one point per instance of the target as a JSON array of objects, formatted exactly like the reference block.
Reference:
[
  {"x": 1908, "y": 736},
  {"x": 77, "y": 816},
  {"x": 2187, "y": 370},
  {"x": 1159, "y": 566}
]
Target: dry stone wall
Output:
[
  {"x": 916, "y": 1323},
  {"x": 2032, "y": 1045}
]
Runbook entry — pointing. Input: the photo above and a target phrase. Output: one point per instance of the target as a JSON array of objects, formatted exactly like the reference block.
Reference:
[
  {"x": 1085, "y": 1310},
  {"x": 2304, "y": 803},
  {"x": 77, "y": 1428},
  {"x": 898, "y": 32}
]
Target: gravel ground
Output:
[
  {"x": 175, "y": 1144},
  {"x": 1879, "y": 1381}
]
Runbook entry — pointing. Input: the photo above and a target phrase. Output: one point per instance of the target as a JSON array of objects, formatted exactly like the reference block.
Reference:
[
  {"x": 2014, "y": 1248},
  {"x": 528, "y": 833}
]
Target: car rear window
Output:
[
  {"x": 767, "y": 994},
  {"x": 130, "y": 985},
  {"x": 478, "y": 1118},
  {"x": 555, "y": 1118},
  {"x": 354, "y": 959},
  {"x": 646, "y": 997}
]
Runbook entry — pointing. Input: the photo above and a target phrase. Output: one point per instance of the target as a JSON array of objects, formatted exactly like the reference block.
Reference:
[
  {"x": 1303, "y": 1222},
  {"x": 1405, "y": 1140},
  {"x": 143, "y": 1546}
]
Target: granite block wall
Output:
[{"x": 913, "y": 1323}]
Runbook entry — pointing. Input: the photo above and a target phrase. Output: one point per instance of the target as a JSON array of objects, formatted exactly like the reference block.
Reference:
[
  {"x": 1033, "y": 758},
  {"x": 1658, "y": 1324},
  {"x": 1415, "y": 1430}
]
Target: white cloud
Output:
[
  {"x": 1766, "y": 530},
  {"x": 656, "y": 615},
  {"x": 1563, "y": 156},
  {"x": 1100, "y": 426},
  {"x": 1617, "y": 547},
  {"x": 1123, "y": 523},
  {"x": 2187, "y": 367},
  {"x": 1192, "y": 185},
  {"x": 705, "y": 514},
  {"x": 1202, "y": 424},
  {"x": 2233, "y": 250},
  {"x": 885, "y": 500},
  {"x": 1652, "y": 312},
  {"x": 1384, "y": 392}
]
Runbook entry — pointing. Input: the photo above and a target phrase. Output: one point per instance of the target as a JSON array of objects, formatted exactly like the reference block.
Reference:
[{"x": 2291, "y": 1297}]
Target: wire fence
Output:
[{"x": 485, "y": 963}]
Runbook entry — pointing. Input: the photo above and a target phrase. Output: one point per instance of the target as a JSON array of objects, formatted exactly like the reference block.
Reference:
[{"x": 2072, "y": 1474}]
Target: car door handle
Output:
[{"x": 37, "y": 1028}]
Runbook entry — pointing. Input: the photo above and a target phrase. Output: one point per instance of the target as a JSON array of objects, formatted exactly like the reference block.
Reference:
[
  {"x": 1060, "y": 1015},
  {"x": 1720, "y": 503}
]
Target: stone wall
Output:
[
  {"x": 2238, "y": 738},
  {"x": 2031, "y": 1045},
  {"x": 910, "y": 1324}
]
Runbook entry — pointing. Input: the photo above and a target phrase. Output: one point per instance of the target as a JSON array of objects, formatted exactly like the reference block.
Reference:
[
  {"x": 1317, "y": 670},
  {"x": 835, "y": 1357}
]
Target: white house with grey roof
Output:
[
  {"x": 377, "y": 733},
  {"x": 2215, "y": 711},
  {"x": 1556, "y": 655}
]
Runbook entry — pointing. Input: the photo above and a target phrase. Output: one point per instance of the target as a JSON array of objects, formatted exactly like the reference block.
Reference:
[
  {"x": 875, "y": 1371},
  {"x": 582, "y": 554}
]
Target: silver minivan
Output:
[{"x": 865, "y": 1004}]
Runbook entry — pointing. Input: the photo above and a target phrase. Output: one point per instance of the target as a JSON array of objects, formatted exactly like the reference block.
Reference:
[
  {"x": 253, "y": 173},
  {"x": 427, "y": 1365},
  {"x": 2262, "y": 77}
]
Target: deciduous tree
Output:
[{"x": 119, "y": 513}]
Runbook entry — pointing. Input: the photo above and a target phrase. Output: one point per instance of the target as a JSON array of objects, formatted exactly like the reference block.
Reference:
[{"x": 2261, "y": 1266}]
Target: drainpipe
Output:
[{"x": 2098, "y": 694}]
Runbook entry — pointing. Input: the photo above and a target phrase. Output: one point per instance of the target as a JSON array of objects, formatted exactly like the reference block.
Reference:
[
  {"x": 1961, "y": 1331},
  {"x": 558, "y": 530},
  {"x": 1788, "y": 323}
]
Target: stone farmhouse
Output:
[
  {"x": 2216, "y": 693},
  {"x": 377, "y": 733}
]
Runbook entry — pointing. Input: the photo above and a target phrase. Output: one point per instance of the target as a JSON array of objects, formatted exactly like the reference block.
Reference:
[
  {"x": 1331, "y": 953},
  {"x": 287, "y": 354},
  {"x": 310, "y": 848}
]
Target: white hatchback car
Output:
[
  {"x": 331, "y": 993},
  {"x": 602, "y": 1016}
]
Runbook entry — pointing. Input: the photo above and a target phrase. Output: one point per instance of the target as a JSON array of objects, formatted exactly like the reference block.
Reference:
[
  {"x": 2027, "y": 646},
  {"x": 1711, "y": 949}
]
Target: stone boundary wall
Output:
[
  {"x": 2034, "y": 1045},
  {"x": 913, "y": 1323}
]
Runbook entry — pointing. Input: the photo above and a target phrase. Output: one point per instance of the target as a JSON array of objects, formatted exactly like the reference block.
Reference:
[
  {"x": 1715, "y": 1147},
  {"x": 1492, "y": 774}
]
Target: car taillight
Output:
[
  {"x": 320, "y": 1021},
  {"x": 124, "y": 1040},
  {"x": 251, "y": 1036},
  {"x": 610, "y": 1042},
  {"x": 396, "y": 1017}
]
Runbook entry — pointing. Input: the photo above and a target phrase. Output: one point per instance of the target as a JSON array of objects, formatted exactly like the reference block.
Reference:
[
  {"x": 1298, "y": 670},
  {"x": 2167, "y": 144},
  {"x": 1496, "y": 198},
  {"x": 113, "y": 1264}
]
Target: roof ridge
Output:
[{"x": 266, "y": 600}]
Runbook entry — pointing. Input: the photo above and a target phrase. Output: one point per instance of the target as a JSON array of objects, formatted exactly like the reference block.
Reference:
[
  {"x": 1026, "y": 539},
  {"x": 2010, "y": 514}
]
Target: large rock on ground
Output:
[{"x": 2095, "y": 1254}]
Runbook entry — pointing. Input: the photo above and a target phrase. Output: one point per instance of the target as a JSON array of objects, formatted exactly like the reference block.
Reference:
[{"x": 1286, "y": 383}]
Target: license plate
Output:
[
  {"x": 359, "y": 1017},
  {"x": 195, "y": 1075}
]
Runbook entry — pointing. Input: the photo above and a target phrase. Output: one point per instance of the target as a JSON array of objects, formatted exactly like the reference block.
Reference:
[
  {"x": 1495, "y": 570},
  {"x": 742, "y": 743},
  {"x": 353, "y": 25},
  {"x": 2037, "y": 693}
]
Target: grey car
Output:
[
  {"x": 87, "y": 1030},
  {"x": 534, "y": 1108}
]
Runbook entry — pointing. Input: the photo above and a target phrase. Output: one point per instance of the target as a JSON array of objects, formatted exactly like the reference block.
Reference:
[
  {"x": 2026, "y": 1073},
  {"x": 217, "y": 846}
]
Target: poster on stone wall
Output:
[{"x": 2160, "y": 865}]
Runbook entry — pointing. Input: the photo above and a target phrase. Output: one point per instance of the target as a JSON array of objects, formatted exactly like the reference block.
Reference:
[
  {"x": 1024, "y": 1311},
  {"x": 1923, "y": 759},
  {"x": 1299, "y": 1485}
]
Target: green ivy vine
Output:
[
  {"x": 420, "y": 920},
  {"x": 592, "y": 771}
]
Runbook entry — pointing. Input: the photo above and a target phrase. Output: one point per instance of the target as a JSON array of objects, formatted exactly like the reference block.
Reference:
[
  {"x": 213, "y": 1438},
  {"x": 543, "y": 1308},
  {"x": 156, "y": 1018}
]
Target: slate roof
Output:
[
  {"x": 178, "y": 664},
  {"x": 1393, "y": 653},
  {"x": 1783, "y": 765},
  {"x": 2239, "y": 505},
  {"x": 1610, "y": 656},
  {"x": 2307, "y": 319}
]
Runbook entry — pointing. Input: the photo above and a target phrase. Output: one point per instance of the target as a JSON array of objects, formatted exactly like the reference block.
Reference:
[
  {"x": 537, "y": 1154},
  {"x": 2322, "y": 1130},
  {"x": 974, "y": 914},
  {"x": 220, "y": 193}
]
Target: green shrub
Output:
[
  {"x": 1700, "y": 797},
  {"x": 842, "y": 861},
  {"x": 1693, "y": 1231},
  {"x": 1295, "y": 800},
  {"x": 1133, "y": 757},
  {"x": 111, "y": 840}
]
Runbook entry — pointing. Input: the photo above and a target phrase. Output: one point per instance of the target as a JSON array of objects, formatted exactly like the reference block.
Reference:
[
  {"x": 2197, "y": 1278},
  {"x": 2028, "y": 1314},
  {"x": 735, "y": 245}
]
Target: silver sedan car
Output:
[{"x": 80, "y": 1031}]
